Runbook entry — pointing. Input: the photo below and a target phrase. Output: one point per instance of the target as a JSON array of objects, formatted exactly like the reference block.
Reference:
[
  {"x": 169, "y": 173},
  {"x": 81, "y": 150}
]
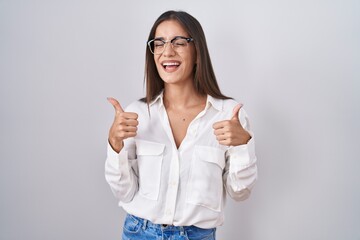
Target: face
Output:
[{"x": 175, "y": 67}]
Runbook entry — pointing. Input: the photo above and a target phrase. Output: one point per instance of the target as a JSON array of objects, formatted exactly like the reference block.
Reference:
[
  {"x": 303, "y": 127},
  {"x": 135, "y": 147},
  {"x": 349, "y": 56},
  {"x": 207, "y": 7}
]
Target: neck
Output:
[{"x": 183, "y": 96}]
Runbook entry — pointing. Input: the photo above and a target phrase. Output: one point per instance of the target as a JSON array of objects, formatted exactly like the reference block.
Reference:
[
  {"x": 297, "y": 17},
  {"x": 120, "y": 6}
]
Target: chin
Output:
[{"x": 171, "y": 80}]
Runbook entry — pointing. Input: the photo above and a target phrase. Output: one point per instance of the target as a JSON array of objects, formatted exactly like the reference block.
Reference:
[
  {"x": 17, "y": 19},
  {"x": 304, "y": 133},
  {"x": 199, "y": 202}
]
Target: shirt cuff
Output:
[
  {"x": 242, "y": 155},
  {"x": 117, "y": 159}
]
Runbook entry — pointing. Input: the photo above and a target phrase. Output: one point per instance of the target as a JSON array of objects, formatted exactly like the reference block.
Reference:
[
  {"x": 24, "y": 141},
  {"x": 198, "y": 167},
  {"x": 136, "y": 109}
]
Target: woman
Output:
[{"x": 174, "y": 154}]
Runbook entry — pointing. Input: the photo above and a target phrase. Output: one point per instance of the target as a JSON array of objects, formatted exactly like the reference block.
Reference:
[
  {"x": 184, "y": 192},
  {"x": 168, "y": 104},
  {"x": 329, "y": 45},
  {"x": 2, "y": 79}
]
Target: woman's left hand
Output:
[{"x": 230, "y": 132}]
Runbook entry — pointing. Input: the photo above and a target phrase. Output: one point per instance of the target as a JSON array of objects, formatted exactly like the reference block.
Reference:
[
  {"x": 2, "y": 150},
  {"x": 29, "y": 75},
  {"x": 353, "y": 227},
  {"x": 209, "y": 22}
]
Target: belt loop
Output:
[
  {"x": 144, "y": 224},
  {"x": 182, "y": 231}
]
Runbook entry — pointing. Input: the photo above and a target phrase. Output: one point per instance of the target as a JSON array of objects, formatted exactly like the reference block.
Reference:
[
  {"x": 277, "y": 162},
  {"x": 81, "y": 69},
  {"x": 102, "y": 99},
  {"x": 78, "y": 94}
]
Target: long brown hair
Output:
[{"x": 204, "y": 76}]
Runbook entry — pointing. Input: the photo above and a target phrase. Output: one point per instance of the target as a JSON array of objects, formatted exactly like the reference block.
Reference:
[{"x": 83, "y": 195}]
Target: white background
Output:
[{"x": 294, "y": 64}]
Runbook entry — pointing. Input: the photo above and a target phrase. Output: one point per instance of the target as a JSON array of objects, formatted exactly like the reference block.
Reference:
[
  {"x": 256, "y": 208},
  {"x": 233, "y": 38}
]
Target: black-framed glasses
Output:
[{"x": 179, "y": 44}]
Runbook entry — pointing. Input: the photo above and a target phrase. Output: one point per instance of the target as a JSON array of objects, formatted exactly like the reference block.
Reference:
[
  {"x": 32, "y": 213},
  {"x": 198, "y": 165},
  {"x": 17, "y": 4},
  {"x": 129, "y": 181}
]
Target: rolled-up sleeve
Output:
[
  {"x": 240, "y": 173},
  {"x": 120, "y": 173}
]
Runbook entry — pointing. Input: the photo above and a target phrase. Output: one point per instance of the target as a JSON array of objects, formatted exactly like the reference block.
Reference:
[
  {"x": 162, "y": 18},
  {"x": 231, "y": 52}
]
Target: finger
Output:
[
  {"x": 221, "y": 137},
  {"x": 235, "y": 113},
  {"x": 116, "y": 105},
  {"x": 125, "y": 135},
  {"x": 128, "y": 122},
  {"x": 125, "y": 128},
  {"x": 220, "y": 131},
  {"x": 221, "y": 124},
  {"x": 225, "y": 142},
  {"x": 128, "y": 115}
]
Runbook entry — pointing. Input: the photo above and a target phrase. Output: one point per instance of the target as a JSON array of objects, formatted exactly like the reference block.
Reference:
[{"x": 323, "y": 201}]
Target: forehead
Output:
[{"x": 170, "y": 29}]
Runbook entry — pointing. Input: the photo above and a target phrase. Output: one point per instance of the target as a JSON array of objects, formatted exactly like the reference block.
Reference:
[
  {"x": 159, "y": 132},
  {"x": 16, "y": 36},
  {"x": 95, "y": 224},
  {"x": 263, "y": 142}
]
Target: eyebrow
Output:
[
  {"x": 163, "y": 39},
  {"x": 159, "y": 38}
]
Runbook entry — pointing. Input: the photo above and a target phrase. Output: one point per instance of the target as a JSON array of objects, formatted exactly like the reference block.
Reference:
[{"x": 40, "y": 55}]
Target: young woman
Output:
[{"x": 174, "y": 154}]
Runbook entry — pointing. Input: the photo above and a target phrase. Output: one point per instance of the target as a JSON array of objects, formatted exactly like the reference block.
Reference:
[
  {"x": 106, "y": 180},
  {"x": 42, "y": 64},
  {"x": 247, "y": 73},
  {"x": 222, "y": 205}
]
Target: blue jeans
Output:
[{"x": 136, "y": 228}]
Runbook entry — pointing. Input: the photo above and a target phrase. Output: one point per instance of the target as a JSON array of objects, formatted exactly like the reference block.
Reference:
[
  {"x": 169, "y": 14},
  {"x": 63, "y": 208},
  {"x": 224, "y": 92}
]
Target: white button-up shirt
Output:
[{"x": 155, "y": 180}]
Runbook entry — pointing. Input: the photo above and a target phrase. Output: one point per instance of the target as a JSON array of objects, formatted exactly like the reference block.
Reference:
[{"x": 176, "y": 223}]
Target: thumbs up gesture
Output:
[
  {"x": 124, "y": 126},
  {"x": 230, "y": 132}
]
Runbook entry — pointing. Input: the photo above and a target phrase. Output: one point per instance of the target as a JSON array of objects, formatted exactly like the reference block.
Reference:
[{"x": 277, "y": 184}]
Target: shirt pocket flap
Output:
[
  {"x": 149, "y": 148},
  {"x": 211, "y": 154}
]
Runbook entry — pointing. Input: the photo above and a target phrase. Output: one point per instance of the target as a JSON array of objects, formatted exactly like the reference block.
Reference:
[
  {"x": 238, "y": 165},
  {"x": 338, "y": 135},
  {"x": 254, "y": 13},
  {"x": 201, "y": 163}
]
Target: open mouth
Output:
[{"x": 170, "y": 66}]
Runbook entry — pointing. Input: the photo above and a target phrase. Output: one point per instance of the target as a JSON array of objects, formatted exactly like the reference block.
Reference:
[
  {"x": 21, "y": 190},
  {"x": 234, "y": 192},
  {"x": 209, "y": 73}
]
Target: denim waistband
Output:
[
  {"x": 146, "y": 224},
  {"x": 142, "y": 228}
]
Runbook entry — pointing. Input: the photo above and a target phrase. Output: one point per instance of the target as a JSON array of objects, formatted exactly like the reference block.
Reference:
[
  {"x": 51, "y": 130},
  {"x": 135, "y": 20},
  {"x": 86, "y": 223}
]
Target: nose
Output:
[{"x": 168, "y": 51}]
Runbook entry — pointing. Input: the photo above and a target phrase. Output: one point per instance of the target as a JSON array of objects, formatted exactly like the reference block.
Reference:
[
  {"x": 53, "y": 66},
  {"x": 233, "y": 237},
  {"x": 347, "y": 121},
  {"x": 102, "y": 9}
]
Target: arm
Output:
[
  {"x": 120, "y": 165},
  {"x": 121, "y": 171},
  {"x": 240, "y": 172}
]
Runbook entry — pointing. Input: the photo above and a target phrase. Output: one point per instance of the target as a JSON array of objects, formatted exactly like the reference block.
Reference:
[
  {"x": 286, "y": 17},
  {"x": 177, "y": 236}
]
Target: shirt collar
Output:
[
  {"x": 216, "y": 103},
  {"x": 158, "y": 98},
  {"x": 210, "y": 101}
]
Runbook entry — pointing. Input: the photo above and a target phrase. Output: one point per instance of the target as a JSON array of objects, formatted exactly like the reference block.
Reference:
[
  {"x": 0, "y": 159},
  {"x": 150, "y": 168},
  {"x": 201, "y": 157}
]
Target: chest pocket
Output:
[
  {"x": 205, "y": 185},
  {"x": 149, "y": 156}
]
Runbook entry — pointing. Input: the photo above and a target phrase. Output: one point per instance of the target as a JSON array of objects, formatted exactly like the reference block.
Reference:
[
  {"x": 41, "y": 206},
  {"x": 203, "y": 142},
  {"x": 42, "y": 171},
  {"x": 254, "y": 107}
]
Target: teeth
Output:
[{"x": 171, "y": 64}]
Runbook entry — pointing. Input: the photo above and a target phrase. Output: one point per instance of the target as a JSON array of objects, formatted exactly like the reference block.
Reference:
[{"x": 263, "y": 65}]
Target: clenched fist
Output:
[
  {"x": 230, "y": 132},
  {"x": 124, "y": 126}
]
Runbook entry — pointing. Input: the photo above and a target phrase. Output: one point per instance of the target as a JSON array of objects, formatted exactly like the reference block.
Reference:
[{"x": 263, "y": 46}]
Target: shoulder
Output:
[
  {"x": 136, "y": 106},
  {"x": 229, "y": 105}
]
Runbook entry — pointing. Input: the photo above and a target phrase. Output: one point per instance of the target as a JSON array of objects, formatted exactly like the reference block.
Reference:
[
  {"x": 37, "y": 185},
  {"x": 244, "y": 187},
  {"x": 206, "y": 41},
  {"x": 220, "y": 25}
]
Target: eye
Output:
[
  {"x": 158, "y": 44},
  {"x": 180, "y": 43}
]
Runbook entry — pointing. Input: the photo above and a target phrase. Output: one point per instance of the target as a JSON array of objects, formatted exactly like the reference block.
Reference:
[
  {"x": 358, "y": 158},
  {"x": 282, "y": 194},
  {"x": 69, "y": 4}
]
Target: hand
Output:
[
  {"x": 230, "y": 132},
  {"x": 124, "y": 126}
]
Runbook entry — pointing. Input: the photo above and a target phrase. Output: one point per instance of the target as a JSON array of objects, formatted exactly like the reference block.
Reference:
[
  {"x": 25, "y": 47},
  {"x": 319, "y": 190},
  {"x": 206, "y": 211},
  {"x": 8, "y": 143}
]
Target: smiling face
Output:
[{"x": 174, "y": 67}]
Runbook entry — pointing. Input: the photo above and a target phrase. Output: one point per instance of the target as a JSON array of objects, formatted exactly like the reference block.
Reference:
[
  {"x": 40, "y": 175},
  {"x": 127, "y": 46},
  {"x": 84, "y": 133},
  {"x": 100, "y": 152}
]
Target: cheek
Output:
[
  {"x": 193, "y": 58},
  {"x": 157, "y": 63},
  {"x": 194, "y": 55}
]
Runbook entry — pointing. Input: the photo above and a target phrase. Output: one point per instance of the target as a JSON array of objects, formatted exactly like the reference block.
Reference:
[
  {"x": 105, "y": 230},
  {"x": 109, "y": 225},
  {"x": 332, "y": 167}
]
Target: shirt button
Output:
[
  {"x": 168, "y": 212},
  {"x": 174, "y": 184}
]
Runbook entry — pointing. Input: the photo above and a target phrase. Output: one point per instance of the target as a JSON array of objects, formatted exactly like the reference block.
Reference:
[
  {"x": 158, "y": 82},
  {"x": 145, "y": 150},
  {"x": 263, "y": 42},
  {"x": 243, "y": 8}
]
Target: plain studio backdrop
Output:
[{"x": 294, "y": 64}]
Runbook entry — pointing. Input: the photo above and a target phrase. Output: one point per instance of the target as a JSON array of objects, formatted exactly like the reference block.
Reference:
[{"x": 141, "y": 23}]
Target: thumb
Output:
[
  {"x": 235, "y": 113},
  {"x": 116, "y": 105}
]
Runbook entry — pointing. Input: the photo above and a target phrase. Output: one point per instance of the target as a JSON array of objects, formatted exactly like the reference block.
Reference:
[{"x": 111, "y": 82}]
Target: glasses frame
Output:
[{"x": 169, "y": 41}]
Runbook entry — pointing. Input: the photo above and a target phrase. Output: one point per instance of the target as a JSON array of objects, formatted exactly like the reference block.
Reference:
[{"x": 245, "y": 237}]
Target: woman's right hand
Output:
[{"x": 124, "y": 126}]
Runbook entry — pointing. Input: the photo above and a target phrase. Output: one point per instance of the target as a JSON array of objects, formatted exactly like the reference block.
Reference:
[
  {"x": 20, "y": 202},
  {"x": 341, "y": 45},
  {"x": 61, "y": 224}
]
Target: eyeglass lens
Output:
[{"x": 158, "y": 46}]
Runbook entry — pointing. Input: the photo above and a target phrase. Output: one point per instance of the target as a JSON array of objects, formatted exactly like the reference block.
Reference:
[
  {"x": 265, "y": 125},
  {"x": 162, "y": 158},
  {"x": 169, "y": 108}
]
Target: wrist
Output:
[
  {"x": 116, "y": 145},
  {"x": 245, "y": 139}
]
